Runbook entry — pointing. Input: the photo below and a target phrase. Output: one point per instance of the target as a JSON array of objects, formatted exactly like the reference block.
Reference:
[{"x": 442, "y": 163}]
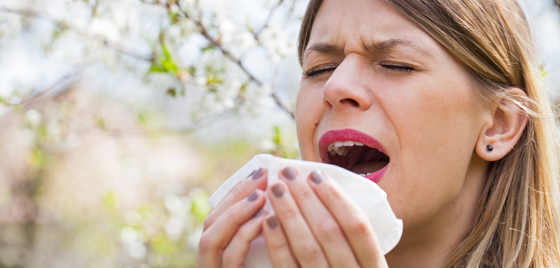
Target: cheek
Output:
[
  {"x": 437, "y": 128},
  {"x": 438, "y": 119},
  {"x": 309, "y": 110}
]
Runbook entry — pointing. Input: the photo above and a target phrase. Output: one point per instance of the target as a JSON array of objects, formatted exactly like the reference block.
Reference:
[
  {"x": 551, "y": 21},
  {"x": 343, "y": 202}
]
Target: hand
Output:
[
  {"x": 317, "y": 225},
  {"x": 233, "y": 224}
]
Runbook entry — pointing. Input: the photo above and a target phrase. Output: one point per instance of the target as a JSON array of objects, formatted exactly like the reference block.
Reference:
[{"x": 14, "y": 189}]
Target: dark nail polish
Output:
[
  {"x": 316, "y": 177},
  {"x": 278, "y": 190},
  {"x": 289, "y": 173},
  {"x": 258, "y": 173},
  {"x": 252, "y": 197},
  {"x": 258, "y": 214},
  {"x": 252, "y": 172},
  {"x": 272, "y": 222}
]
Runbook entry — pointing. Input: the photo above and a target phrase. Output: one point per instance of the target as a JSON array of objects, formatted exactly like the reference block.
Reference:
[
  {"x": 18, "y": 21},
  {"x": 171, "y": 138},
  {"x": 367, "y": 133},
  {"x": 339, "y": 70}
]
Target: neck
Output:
[{"x": 431, "y": 243}]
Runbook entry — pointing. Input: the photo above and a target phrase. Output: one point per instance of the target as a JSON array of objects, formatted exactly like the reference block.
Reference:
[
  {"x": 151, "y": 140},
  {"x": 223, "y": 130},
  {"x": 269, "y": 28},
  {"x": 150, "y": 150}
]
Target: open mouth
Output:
[{"x": 354, "y": 151}]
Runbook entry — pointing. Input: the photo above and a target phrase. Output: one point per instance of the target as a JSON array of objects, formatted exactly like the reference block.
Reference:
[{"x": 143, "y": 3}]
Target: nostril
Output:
[{"x": 351, "y": 101}]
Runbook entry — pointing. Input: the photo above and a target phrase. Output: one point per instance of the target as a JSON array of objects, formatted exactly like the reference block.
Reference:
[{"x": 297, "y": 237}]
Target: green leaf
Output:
[
  {"x": 208, "y": 48},
  {"x": 164, "y": 64},
  {"x": 277, "y": 138},
  {"x": 110, "y": 201},
  {"x": 165, "y": 51},
  {"x": 170, "y": 66},
  {"x": 156, "y": 68},
  {"x": 143, "y": 117},
  {"x": 162, "y": 245},
  {"x": 543, "y": 72},
  {"x": 58, "y": 31},
  {"x": 200, "y": 207},
  {"x": 167, "y": 62},
  {"x": 39, "y": 158},
  {"x": 100, "y": 122}
]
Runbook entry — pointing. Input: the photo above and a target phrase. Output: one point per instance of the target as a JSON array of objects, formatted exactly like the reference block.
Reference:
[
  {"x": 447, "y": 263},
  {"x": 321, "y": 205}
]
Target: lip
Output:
[{"x": 352, "y": 135}]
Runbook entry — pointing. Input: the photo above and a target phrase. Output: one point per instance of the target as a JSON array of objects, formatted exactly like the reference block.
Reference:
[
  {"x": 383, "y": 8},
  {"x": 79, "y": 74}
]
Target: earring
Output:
[{"x": 489, "y": 148}]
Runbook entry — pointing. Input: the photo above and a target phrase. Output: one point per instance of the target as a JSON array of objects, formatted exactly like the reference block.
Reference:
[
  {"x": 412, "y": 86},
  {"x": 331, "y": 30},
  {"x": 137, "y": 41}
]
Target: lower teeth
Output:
[{"x": 363, "y": 175}]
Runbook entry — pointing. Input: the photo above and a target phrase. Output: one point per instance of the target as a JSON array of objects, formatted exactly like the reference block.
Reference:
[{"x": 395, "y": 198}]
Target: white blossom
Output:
[
  {"x": 175, "y": 225},
  {"x": 54, "y": 130},
  {"x": 194, "y": 237},
  {"x": 134, "y": 242},
  {"x": 201, "y": 80},
  {"x": 173, "y": 203},
  {"x": 227, "y": 30},
  {"x": 257, "y": 99},
  {"x": 10, "y": 25},
  {"x": 278, "y": 42},
  {"x": 33, "y": 118},
  {"x": 71, "y": 141},
  {"x": 6, "y": 89},
  {"x": 267, "y": 145},
  {"x": 104, "y": 28},
  {"x": 137, "y": 250},
  {"x": 129, "y": 235}
]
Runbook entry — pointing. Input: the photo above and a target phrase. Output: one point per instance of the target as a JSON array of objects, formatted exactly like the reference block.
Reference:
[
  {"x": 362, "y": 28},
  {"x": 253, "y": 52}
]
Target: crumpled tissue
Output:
[{"x": 365, "y": 193}]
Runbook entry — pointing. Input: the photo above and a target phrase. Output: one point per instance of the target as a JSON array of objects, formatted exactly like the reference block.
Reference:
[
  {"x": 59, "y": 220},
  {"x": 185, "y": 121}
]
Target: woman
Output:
[{"x": 447, "y": 99}]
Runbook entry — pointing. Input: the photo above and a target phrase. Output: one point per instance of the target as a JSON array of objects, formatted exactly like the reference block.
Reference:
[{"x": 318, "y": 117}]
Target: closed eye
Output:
[
  {"x": 404, "y": 68},
  {"x": 398, "y": 67},
  {"x": 319, "y": 71}
]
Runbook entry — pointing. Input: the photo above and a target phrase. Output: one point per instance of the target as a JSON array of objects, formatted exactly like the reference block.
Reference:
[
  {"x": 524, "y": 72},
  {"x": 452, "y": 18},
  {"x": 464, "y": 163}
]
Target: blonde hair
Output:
[{"x": 517, "y": 219}]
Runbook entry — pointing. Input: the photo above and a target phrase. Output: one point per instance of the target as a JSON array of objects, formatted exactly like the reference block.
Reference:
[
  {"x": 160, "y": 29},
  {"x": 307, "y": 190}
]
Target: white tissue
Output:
[{"x": 365, "y": 193}]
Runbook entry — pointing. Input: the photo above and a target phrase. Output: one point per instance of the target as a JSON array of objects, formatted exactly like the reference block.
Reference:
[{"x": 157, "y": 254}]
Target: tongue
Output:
[{"x": 369, "y": 167}]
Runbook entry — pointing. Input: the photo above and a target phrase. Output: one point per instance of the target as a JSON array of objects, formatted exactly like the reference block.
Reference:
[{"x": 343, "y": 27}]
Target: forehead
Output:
[{"x": 357, "y": 24}]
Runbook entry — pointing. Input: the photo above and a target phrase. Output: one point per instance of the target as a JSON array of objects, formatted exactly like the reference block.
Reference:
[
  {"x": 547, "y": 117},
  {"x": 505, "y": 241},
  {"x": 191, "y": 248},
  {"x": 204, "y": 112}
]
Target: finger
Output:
[
  {"x": 352, "y": 219},
  {"x": 236, "y": 251},
  {"x": 216, "y": 238},
  {"x": 278, "y": 249},
  {"x": 301, "y": 239},
  {"x": 255, "y": 180},
  {"x": 324, "y": 226}
]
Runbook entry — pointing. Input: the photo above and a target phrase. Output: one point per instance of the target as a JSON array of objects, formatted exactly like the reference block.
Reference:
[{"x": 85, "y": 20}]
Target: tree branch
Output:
[
  {"x": 43, "y": 92},
  {"x": 258, "y": 32},
  {"x": 202, "y": 30},
  {"x": 64, "y": 25}
]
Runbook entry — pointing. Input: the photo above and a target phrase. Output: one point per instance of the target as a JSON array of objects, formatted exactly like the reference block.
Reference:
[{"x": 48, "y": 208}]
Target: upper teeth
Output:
[{"x": 342, "y": 147}]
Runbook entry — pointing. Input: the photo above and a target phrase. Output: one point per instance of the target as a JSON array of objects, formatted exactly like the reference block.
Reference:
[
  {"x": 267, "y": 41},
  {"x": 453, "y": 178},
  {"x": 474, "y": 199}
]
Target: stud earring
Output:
[{"x": 489, "y": 148}]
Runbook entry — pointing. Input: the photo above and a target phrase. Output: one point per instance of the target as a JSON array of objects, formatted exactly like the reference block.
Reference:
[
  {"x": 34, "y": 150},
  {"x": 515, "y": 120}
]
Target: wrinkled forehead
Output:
[{"x": 356, "y": 25}]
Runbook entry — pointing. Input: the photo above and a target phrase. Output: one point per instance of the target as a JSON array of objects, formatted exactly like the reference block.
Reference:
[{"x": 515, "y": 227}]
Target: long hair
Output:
[{"x": 517, "y": 218}]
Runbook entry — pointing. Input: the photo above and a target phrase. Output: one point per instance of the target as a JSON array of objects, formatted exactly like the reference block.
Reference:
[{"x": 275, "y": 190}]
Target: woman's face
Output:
[{"x": 372, "y": 77}]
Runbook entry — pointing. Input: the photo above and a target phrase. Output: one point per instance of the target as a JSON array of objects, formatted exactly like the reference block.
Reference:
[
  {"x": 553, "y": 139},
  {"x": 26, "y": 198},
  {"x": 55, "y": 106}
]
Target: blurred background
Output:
[{"x": 119, "y": 118}]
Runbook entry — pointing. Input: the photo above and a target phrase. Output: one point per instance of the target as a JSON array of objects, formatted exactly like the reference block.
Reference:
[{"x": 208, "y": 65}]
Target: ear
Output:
[{"x": 504, "y": 130}]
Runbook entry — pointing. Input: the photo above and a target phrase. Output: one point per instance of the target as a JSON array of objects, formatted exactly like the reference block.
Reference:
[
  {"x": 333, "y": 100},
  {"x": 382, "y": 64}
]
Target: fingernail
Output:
[
  {"x": 278, "y": 190},
  {"x": 252, "y": 172},
  {"x": 272, "y": 222},
  {"x": 289, "y": 173},
  {"x": 252, "y": 197},
  {"x": 316, "y": 177},
  {"x": 258, "y": 214},
  {"x": 258, "y": 173}
]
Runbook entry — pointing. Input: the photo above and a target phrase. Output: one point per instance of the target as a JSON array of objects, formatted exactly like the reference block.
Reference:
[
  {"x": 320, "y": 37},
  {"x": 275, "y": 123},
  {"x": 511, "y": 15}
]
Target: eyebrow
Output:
[{"x": 382, "y": 46}]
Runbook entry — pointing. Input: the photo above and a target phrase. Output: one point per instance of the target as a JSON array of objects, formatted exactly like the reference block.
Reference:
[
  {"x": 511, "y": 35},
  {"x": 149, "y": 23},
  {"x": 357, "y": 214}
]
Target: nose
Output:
[{"x": 347, "y": 87}]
